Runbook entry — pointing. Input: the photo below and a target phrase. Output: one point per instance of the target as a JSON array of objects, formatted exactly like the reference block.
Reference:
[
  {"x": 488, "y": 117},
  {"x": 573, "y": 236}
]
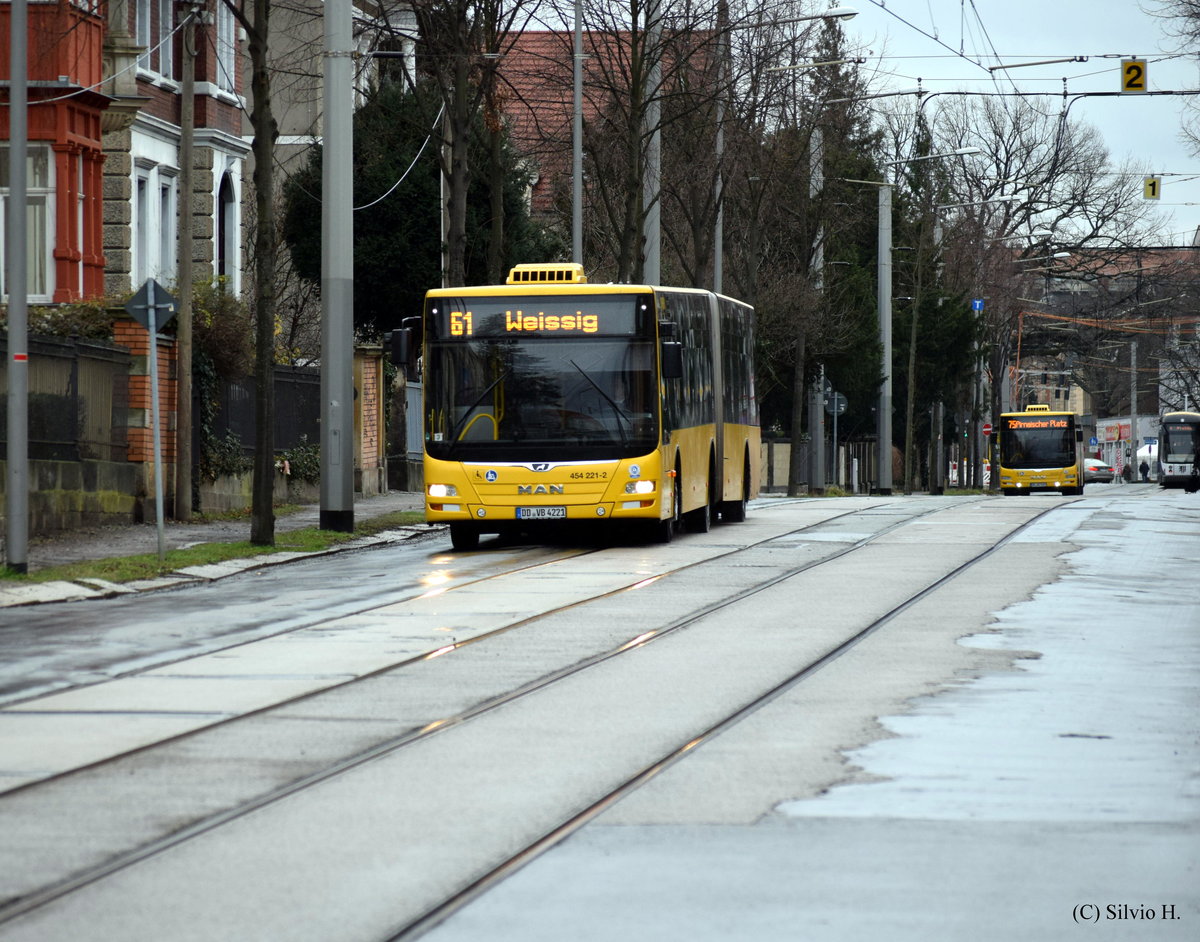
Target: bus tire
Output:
[
  {"x": 464, "y": 537},
  {"x": 734, "y": 511},
  {"x": 700, "y": 520},
  {"x": 663, "y": 531}
]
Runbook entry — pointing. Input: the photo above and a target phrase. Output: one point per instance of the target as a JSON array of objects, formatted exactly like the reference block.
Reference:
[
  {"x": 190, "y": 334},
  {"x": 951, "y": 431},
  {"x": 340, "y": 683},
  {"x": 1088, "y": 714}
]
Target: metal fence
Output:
[
  {"x": 297, "y": 409},
  {"x": 78, "y": 399}
]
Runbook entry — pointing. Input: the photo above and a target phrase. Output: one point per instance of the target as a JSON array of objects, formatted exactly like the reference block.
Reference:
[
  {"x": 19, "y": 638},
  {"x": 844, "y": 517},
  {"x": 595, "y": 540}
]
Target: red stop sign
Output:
[{"x": 987, "y": 428}]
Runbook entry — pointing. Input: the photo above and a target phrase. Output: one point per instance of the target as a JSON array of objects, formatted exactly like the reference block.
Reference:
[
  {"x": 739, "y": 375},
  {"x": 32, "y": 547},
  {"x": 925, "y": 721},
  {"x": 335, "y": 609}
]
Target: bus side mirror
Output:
[
  {"x": 403, "y": 345},
  {"x": 399, "y": 345},
  {"x": 1078, "y": 434},
  {"x": 672, "y": 359}
]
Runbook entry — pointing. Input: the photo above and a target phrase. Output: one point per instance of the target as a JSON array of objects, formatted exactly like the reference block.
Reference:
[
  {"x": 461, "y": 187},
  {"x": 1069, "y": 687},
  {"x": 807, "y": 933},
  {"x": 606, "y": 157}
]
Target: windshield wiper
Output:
[
  {"x": 622, "y": 417},
  {"x": 460, "y": 425}
]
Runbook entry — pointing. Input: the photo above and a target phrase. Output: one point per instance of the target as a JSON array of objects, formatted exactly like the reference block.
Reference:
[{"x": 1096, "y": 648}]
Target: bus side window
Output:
[{"x": 672, "y": 359}]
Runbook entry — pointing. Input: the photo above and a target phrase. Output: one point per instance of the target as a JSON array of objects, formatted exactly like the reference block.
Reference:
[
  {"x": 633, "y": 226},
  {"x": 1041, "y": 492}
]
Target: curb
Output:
[{"x": 39, "y": 593}]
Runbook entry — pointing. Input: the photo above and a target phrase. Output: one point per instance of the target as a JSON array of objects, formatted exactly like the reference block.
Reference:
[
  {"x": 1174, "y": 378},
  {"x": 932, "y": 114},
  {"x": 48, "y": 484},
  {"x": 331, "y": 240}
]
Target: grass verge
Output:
[{"x": 146, "y": 565}]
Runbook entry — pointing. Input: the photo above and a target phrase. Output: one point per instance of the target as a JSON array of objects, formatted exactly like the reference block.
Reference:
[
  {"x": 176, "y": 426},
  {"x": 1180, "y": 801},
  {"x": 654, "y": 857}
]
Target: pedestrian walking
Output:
[{"x": 1145, "y": 469}]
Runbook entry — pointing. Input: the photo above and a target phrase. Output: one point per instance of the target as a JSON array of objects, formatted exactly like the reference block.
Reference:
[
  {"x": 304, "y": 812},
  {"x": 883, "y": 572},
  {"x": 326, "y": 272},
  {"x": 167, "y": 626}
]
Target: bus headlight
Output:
[
  {"x": 443, "y": 490},
  {"x": 639, "y": 487}
]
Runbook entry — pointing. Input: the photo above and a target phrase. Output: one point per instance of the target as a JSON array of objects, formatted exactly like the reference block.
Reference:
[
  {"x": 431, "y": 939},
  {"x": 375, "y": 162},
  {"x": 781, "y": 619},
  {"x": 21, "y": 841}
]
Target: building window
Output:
[
  {"x": 141, "y": 14},
  {"x": 166, "y": 226},
  {"x": 39, "y": 235},
  {"x": 166, "y": 49},
  {"x": 141, "y": 231},
  {"x": 227, "y": 234},
  {"x": 155, "y": 225},
  {"x": 80, "y": 230},
  {"x": 155, "y": 24},
  {"x": 226, "y": 49}
]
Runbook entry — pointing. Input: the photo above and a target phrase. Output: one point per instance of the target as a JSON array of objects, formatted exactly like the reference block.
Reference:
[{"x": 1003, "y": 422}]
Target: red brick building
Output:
[
  {"x": 104, "y": 172},
  {"x": 64, "y": 169}
]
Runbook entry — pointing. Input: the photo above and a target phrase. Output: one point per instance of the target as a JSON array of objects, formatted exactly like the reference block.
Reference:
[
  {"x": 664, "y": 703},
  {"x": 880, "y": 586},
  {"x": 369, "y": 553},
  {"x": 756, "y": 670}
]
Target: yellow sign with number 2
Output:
[{"x": 1133, "y": 76}]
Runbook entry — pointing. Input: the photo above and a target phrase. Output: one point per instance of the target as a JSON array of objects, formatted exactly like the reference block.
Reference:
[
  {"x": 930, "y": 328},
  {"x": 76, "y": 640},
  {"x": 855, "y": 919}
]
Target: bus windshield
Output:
[
  {"x": 1038, "y": 443},
  {"x": 1181, "y": 443},
  {"x": 544, "y": 398}
]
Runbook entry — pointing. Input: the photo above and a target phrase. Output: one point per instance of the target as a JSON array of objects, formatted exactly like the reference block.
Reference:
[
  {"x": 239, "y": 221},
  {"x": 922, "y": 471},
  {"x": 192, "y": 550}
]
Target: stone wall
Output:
[
  {"x": 68, "y": 495},
  {"x": 235, "y": 492}
]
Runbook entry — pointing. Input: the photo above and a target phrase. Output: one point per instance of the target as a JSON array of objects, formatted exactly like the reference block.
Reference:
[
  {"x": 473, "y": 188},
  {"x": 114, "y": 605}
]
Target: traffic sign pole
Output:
[
  {"x": 152, "y": 326},
  {"x": 144, "y": 307}
]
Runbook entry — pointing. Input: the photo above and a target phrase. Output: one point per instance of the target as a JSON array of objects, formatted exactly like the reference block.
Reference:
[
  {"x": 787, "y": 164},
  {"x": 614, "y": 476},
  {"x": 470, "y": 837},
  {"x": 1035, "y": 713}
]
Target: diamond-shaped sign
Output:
[{"x": 152, "y": 299}]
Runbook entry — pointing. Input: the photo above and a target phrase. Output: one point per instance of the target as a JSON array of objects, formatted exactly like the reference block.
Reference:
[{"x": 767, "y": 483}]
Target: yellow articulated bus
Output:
[
  {"x": 1040, "y": 450},
  {"x": 551, "y": 400}
]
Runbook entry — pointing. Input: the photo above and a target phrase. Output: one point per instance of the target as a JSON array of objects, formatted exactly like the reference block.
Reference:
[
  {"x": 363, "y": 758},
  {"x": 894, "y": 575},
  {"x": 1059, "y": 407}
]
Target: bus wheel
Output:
[
  {"x": 464, "y": 537},
  {"x": 700, "y": 519},
  {"x": 662, "y": 531},
  {"x": 734, "y": 511}
]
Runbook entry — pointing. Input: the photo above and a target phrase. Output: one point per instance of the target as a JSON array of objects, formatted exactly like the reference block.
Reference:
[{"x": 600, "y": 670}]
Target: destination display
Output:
[
  {"x": 1027, "y": 423},
  {"x": 547, "y": 317}
]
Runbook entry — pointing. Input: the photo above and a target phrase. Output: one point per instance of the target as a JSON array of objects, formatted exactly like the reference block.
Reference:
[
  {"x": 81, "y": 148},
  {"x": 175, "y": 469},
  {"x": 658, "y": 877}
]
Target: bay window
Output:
[{"x": 39, "y": 234}]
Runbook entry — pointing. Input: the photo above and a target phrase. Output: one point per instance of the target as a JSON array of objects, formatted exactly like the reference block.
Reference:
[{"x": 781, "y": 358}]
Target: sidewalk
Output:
[{"x": 135, "y": 539}]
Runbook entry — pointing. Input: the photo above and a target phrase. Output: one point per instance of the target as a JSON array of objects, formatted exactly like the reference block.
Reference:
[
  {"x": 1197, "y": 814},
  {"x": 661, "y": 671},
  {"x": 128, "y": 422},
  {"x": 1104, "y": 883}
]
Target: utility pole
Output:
[
  {"x": 16, "y": 518},
  {"x": 337, "y": 275},
  {"x": 883, "y": 291},
  {"x": 187, "y": 132},
  {"x": 577, "y": 139},
  {"x": 1133, "y": 412}
]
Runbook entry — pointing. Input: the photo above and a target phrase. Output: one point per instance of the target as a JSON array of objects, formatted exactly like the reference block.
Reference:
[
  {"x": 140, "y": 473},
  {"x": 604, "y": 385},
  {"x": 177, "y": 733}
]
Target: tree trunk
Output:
[
  {"x": 496, "y": 272},
  {"x": 262, "y": 519},
  {"x": 460, "y": 119}
]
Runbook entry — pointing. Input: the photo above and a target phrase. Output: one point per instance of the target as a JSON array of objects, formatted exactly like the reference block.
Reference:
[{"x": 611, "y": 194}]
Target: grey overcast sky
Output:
[{"x": 948, "y": 44}]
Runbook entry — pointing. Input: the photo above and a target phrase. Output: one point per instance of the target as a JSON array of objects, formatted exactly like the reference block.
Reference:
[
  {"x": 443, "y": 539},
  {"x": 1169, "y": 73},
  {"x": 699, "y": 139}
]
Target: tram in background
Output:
[
  {"x": 1040, "y": 450},
  {"x": 552, "y": 400},
  {"x": 1178, "y": 447}
]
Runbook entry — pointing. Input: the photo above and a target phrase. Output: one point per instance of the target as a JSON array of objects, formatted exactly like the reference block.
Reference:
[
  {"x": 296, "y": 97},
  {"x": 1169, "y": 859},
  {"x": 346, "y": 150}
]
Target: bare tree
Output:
[
  {"x": 461, "y": 45},
  {"x": 1181, "y": 19},
  {"x": 254, "y": 18},
  {"x": 1080, "y": 207}
]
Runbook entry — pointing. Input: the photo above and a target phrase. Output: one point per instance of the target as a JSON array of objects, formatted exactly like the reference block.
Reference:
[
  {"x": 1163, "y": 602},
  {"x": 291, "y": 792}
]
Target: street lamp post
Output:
[
  {"x": 883, "y": 416},
  {"x": 937, "y": 465}
]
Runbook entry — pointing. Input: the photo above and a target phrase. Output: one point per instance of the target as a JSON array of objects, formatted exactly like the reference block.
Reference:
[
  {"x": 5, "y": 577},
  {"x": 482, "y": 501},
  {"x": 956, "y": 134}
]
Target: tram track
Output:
[
  {"x": 482, "y": 884},
  {"x": 462, "y": 585},
  {"x": 123, "y": 861}
]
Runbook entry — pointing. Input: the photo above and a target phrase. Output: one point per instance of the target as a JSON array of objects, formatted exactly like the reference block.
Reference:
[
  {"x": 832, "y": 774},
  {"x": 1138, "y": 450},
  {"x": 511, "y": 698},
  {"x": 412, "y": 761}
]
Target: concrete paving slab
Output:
[
  {"x": 37, "y": 745},
  {"x": 297, "y": 654},
  {"x": 179, "y": 694}
]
